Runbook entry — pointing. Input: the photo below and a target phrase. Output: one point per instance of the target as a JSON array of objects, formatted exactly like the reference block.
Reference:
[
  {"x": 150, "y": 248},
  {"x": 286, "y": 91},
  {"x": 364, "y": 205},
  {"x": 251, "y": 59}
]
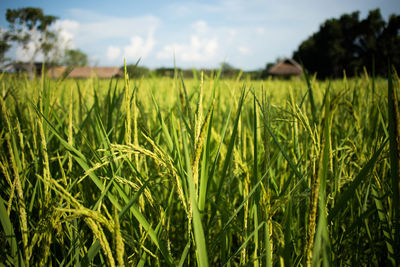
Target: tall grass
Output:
[{"x": 166, "y": 171}]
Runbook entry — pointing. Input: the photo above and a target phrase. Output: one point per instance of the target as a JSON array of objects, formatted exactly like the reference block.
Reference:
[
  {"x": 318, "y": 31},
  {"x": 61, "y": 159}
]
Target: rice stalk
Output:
[
  {"x": 87, "y": 213},
  {"x": 119, "y": 242},
  {"x": 312, "y": 215},
  {"x": 269, "y": 245},
  {"x": 127, "y": 100},
  {"x": 256, "y": 198},
  {"x": 46, "y": 166},
  {"x": 321, "y": 239},
  {"x": 63, "y": 175},
  {"x": 394, "y": 151},
  {"x": 5, "y": 171},
  {"x": 355, "y": 215},
  {"x": 205, "y": 165},
  {"x": 384, "y": 220},
  {"x": 199, "y": 110},
  {"x": 92, "y": 218},
  {"x": 70, "y": 130},
  {"x": 47, "y": 240},
  {"x": 199, "y": 147},
  {"x": 18, "y": 185},
  {"x": 99, "y": 234},
  {"x": 162, "y": 156},
  {"x": 266, "y": 196},
  {"x": 21, "y": 143},
  {"x": 199, "y": 133},
  {"x": 200, "y": 242},
  {"x": 246, "y": 184}
]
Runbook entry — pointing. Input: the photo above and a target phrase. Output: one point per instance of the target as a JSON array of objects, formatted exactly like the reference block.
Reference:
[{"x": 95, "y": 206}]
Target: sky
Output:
[{"x": 197, "y": 34}]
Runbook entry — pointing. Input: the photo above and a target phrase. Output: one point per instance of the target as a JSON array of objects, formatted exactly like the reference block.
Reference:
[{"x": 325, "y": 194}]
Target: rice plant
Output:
[{"x": 199, "y": 172}]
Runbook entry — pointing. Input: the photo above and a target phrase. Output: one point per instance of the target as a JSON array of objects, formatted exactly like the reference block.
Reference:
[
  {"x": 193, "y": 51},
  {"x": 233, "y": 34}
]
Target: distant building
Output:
[
  {"x": 286, "y": 68},
  {"x": 86, "y": 72},
  {"x": 56, "y": 72},
  {"x": 99, "y": 72}
]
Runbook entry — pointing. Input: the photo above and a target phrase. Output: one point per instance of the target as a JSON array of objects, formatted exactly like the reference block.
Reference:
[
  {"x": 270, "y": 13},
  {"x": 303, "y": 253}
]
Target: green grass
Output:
[{"x": 201, "y": 172}]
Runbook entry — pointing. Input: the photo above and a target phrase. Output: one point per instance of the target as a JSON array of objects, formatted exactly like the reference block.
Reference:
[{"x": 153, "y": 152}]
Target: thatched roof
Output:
[
  {"x": 56, "y": 72},
  {"x": 286, "y": 67},
  {"x": 100, "y": 72},
  {"x": 86, "y": 72}
]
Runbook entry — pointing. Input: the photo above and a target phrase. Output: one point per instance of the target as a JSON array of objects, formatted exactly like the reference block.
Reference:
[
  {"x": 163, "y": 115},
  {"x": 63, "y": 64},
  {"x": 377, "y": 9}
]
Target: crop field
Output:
[{"x": 199, "y": 172}]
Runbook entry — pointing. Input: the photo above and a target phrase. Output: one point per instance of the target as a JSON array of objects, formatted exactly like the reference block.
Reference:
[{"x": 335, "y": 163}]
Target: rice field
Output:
[{"x": 199, "y": 172}]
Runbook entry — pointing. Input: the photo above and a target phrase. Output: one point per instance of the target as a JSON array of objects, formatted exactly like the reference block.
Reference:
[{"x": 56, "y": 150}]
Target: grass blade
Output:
[
  {"x": 394, "y": 152},
  {"x": 228, "y": 156},
  {"x": 201, "y": 249},
  {"x": 349, "y": 193}
]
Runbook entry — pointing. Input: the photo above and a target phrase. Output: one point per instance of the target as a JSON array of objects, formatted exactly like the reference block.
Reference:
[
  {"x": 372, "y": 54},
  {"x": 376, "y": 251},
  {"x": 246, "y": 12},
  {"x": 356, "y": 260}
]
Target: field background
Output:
[{"x": 166, "y": 171}]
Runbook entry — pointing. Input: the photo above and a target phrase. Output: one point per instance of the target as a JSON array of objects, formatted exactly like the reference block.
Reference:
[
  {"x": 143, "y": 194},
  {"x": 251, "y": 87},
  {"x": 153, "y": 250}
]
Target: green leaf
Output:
[{"x": 349, "y": 193}]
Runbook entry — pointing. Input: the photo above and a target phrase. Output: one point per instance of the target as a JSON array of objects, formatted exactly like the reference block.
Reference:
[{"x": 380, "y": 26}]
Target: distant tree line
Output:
[
  {"x": 226, "y": 69},
  {"x": 351, "y": 44}
]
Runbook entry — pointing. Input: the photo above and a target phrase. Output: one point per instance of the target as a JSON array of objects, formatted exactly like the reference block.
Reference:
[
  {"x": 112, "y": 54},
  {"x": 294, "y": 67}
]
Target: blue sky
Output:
[{"x": 245, "y": 33}]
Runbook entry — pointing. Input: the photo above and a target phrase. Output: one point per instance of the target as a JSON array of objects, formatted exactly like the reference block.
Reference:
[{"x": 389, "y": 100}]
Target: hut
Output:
[
  {"x": 286, "y": 68},
  {"x": 99, "y": 72},
  {"x": 86, "y": 72},
  {"x": 56, "y": 72}
]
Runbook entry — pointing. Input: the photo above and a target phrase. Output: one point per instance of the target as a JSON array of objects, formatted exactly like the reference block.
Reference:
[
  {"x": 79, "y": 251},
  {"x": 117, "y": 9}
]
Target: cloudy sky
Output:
[{"x": 245, "y": 33}]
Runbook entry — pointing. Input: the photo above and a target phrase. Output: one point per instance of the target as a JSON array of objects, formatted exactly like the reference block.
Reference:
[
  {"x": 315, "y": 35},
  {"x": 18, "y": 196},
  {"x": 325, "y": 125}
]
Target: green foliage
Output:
[
  {"x": 4, "y": 45},
  {"x": 74, "y": 58},
  {"x": 207, "y": 172},
  {"x": 350, "y": 44},
  {"x": 136, "y": 71},
  {"x": 394, "y": 138},
  {"x": 228, "y": 71},
  {"x": 30, "y": 25}
]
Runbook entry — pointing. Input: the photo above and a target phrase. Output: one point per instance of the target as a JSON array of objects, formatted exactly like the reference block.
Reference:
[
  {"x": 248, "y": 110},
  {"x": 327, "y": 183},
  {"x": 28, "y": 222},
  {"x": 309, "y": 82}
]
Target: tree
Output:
[
  {"x": 350, "y": 44},
  {"x": 166, "y": 72},
  {"x": 4, "y": 46},
  {"x": 228, "y": 71},
  {"x": 136, "y": 71},
  {"x": 29, "y": 27},
  {"x": 74, "y": 58}
]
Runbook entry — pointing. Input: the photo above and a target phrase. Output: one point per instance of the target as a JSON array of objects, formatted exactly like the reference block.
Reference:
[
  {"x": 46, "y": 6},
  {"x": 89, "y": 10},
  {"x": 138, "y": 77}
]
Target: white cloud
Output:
[
  {"x": 139, "y": 47},
  {"x": 67, "y": 26},
  {"x": 103, "y": 27},
  {"x": 113, "y": 52},
  {"x": 200, "y": 27},
  {"x": 197, "y": 50},
  {"x": 25, "y": 54},
  {"x": 109, "y": 37},
  {"x": 260, "y": 31},
  {"x": 66, "y": 30},
  {"x": 243, "y": 50},
  {"x": 202, "y": 46},
  {"x": 184, "y": 9}
]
